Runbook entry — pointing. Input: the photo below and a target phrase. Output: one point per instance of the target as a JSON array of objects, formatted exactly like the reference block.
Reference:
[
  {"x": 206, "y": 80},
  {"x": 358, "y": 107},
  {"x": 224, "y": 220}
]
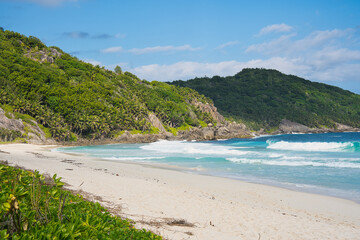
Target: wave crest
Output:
[
  {"x": 311, "y": 146},
  {"x": 295, "y": 163}
]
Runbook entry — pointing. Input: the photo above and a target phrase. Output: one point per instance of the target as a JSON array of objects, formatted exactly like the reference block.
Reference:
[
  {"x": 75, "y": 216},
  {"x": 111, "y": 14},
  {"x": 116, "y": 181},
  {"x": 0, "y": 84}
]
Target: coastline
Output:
[{"x": 211, "y": 207}]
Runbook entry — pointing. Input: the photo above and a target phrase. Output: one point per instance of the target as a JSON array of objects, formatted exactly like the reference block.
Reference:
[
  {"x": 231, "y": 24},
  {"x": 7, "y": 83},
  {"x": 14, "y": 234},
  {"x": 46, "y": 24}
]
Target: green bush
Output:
[
  {"x": 7, "y": 135},
  {"x": 35, "y": 207}
]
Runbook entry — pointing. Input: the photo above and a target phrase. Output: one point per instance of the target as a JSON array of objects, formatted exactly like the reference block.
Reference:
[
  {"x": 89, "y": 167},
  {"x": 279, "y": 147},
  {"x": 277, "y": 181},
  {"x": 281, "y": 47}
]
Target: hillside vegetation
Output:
[
  {"x": 70, "y": 98},
  {"x": 262, "y": 98}
]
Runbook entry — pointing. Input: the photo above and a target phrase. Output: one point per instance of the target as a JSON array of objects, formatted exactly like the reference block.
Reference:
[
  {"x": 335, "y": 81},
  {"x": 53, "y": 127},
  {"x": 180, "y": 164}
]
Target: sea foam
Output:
[
  {"x": 310, "y": 146},
  {"x": 295, "y": 163},
  {"x": 185, "y": 147}
]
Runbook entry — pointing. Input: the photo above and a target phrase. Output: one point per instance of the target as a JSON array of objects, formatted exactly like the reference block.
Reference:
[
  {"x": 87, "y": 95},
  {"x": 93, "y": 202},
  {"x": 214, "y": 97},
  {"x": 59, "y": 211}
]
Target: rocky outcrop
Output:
[
  {"x": 228, "y": 130},
  {"x": 287, "y": 126},
  {"x": 209, "y": 108},
  {"x": 345, "y": 128},
  {"x": 127, "y": 137},
  {"x": 32, "y": 131},
  {"x": 232, "y": 130},
  {"x": 10, "y": 124},
  {"x": 44, "y": 55},
  {"x": 156, "y": 122}
]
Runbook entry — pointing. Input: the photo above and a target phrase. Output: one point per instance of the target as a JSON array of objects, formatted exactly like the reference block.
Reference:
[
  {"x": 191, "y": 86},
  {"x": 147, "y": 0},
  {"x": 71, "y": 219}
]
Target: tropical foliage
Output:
[
  {"x": 33, "y": 207},
  {"x": 69, "y": 96},
  {"x": 262, "y": 98}
]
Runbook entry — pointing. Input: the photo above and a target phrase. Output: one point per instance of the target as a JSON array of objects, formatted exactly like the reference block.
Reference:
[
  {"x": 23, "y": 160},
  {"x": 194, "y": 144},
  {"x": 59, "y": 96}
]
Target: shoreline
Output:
[
  {"x": 214, "y": 207},
  {"x": 187, "y": 136},
  {"x": 316, "y": 190},
  {"x": 293, "y": 186}
]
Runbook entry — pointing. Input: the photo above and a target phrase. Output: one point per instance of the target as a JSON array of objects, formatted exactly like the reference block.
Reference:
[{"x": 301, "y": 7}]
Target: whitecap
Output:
[
  {"x": 295, "y": 163},
  {"x": 310, "y": 146}
]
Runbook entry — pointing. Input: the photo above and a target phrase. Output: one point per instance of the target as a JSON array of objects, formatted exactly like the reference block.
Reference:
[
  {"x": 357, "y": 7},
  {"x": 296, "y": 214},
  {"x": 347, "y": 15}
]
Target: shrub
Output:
[{"x": 35, "y": 207}]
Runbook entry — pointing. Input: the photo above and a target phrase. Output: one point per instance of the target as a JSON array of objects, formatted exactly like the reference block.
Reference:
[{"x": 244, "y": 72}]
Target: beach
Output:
[{"x": 180, "y": 205}]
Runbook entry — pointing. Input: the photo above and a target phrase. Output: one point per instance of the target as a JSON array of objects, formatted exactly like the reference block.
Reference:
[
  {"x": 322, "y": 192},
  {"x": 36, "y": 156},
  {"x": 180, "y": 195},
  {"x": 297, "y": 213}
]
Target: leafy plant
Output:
[{"x": 35, "y": 207}]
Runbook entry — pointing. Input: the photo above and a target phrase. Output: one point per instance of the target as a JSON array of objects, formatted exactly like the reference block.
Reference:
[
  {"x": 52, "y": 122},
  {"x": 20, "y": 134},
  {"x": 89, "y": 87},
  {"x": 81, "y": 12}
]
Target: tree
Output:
[{"x": 118, "y": 70}]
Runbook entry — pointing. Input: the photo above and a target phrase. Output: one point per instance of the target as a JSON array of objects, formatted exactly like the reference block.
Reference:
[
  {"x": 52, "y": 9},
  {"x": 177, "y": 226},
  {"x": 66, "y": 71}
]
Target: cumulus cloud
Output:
[
  {"x": 328, "y": 56},
  {"x": 228, "y": 44},
  {"x": 112, "y": 50},
  {"x": 146, "y": 50},
  {"x": 275, "y": 28},
  {"x": 295, "y": 66},
  {"x": 187, "y": 70},
  {"x": 287, "y": 44},
  {"x": 49, "y": 3},
  {"x": 324, "y": 55}
]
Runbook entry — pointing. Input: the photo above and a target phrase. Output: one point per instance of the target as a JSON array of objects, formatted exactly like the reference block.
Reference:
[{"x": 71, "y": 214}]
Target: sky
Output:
[{"x": 168, "y": 40}]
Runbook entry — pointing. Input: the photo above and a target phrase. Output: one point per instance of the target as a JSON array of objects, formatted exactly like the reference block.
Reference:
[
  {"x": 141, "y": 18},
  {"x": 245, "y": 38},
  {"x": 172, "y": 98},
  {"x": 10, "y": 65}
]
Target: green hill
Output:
[
  {"x": 70, "y": 98},
  {"x": 262, "y": 98}
]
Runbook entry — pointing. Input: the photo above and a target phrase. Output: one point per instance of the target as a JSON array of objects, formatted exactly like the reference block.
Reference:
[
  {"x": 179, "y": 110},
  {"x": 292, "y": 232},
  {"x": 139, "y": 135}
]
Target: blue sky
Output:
[{"x": 181, "y": 39}]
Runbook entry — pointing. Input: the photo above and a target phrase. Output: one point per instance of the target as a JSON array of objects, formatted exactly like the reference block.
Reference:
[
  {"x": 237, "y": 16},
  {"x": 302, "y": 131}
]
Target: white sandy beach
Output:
[{"x": 214, "y": 208}]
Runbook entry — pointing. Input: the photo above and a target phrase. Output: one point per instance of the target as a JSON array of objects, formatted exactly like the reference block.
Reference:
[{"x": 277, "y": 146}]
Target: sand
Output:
[{"x": 180, "y": 205}]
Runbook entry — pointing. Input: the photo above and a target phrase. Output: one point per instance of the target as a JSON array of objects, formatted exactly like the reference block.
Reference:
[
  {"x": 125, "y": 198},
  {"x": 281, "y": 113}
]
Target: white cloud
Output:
[
  {"x": 146, "y": 50},
  {"x": 322, "y": 55},
  {"x": 275, "y": 28},
  {"x": 112, "y": 50},
  {"x": 286, "y": 44},
  {"x": 187, "y": 70},
  {"x": 139, "y": 51},
  {"x": 50, "y": 3},
  {"x": 231, "y": 43},
  {"x": 328, "y": 56},
  {"x": 296, "y": 66},
  {"x": 273, "y": 47}
]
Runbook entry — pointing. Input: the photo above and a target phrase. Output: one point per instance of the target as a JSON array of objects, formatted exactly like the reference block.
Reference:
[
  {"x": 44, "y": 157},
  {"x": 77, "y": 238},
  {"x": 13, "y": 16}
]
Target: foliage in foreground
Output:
[
  {"x": 32, "y": 207},
  {"x": 262, "y": 98}
]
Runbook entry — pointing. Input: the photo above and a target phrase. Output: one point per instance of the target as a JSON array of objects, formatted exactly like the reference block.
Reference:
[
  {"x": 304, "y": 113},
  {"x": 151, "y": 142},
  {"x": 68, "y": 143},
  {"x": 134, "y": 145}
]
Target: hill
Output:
[
  {"x": 45, "y": 90},
  {"x": 262, "y": 98}
]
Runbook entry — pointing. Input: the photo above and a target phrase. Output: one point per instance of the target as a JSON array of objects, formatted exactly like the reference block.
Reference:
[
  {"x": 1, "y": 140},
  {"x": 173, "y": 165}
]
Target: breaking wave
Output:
[
  {"x": 295, "y": 163},
  {"x": 185, "y": 147},
  {"x": 313, "y": 146}
]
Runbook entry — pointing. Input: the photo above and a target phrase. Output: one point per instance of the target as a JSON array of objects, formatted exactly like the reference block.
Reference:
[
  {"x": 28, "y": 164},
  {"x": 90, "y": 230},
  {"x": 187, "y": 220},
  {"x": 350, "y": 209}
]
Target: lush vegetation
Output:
[
  {"x": 33, "y": 207},
  {"x": 72, "y": 98},
  {"x": 262, "y": 98}
]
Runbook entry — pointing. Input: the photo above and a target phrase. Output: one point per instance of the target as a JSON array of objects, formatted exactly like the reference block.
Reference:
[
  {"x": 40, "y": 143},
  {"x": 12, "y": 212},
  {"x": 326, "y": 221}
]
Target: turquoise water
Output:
[{"x": 327, "y": 163}]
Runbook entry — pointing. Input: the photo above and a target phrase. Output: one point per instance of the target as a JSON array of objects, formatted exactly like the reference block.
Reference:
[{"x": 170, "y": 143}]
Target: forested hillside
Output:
[
  {"x": 70, "y": 98},
  {"x": 262, "y": 98}
]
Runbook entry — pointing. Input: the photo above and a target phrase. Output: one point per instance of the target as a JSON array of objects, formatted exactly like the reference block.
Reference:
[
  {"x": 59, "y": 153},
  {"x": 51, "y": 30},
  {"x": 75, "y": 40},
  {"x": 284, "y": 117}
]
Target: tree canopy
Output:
[
  {"x": 262, "y": 98},
  {"x": 71, "y": 97}
]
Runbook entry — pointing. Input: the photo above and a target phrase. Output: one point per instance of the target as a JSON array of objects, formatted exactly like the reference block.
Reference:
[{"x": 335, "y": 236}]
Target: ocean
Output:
[{"x": 327, "y": 164}]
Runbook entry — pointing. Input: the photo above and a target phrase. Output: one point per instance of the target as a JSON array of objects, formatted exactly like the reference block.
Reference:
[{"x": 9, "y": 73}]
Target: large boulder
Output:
[
  {"x": 10, "y": 124},
  {"x": 156, "y": 122},
  {"x": 208, "y": 133},
  {"x": 287, "y": 126},
  {"x": 34, "y": 132}
]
